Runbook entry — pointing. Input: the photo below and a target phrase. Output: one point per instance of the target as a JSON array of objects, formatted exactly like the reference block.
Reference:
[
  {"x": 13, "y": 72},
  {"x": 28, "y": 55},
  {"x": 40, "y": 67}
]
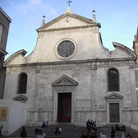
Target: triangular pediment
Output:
[
  {"x": 114, "y": 96},
  {"x": 68, "y": 20},
  {"x": 20, "y": 98},
  {"x": 64, "y": 81}
]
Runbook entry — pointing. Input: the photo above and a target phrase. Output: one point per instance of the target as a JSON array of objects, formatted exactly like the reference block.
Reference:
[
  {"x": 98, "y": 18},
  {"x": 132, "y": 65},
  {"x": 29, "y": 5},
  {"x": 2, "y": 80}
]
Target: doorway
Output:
[
  {"x": 64, "y": 107},
  {"x": 114, "y": 115}
]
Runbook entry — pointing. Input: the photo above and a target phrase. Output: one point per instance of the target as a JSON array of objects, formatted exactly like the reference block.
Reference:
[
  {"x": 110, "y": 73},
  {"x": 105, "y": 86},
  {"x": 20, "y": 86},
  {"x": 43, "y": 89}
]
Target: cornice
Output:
[
  {"x": 72, "y": 62},
  {"x": 84, "y": 19},
  {"x": 69, "y": 28}
]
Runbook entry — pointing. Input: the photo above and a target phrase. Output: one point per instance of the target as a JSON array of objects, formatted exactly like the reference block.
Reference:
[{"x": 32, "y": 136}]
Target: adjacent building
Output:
[
  {"x": 135, "y": 47},
  {"x": 4, "y": 28}
]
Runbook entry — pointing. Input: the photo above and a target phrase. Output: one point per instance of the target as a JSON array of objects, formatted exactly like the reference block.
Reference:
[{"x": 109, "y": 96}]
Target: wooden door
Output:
[
  {"x": 66, "y": 110},
  {"x": 64, "y": 107},
  {"x": 114, "y": 113}
]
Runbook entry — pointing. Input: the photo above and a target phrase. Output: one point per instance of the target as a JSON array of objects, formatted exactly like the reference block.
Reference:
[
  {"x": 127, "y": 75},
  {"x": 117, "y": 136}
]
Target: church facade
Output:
[{"x": 71, "y": 77}]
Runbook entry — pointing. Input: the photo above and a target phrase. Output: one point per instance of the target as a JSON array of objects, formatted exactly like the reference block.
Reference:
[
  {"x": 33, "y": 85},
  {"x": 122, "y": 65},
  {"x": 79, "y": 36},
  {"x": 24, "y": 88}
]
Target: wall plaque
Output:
[{"x": 3, "y": 113}]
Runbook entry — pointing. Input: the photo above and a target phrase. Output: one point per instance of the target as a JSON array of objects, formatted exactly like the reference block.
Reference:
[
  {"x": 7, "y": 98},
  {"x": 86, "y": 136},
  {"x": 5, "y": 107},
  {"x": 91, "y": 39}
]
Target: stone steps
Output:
[
  {"x": 69, "y": 131},
  {"x": 106, "y": 130},
  {"x": 72, "y": 131}
]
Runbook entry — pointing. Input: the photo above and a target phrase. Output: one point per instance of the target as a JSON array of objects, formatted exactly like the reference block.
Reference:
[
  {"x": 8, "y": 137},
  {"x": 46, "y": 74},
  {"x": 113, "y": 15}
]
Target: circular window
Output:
[{"x": 65, "y": 48}]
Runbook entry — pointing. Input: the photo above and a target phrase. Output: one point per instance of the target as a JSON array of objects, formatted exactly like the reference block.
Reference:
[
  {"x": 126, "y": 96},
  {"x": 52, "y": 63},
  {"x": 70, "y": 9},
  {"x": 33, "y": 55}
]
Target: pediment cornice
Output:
[
  {"x": 114, "y": 96},
  {"x": 64, "y": 81},
  {"x": 20, "y": 98},
  {"x": 69, "y": 15},
  {"x": 125, "y": 48},
  {"x": 15, "y": 55}
]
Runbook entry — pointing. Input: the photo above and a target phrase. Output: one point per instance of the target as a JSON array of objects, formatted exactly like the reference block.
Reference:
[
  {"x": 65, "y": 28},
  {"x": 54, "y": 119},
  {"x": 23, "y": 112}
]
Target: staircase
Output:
[
  {"x": 72, "y": 131},
  {"x": 106, "y": 130},
  {"x": 68, "y": 131}
]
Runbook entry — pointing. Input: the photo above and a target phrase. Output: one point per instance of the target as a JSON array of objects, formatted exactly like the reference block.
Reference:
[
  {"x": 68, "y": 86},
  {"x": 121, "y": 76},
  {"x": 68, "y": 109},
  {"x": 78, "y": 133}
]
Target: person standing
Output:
[
  {"x": 1, "y": 136},
  {"x": 57, "y": 130},
  {"x": 112, "y": 132},
  {"x": 23, "y": 133}
]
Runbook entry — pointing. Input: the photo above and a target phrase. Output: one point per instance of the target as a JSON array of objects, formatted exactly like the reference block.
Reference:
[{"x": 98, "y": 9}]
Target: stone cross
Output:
[{"x": 69, "y": 2}]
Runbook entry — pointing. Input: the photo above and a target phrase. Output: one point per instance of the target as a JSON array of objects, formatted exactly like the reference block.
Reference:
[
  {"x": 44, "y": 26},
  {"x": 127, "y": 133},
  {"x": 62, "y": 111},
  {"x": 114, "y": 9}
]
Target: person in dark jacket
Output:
[
  {"x": 1, "y": 127},
  {"x": 23, "y": 133},
  {"x": 83, "y": 135},
  {"x": 112, "y": 132}
]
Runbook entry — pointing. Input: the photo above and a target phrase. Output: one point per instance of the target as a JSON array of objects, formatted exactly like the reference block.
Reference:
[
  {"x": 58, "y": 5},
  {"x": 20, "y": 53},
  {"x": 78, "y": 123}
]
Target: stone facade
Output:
[
  {"x": 4, "y": 28},
  {"x": 80, "y": 79}
]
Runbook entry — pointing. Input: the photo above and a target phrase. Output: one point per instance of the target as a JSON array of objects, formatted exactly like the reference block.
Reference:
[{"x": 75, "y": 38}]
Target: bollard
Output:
[
  {"x": 103, "y": 136},
  {"x": 123, "y": 135},
  {"x": 100, "y": 135}
]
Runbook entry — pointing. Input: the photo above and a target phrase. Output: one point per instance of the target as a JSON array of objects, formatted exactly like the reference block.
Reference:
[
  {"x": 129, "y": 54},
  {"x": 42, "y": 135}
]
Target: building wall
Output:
[
  {"x": 88, "y": 97},
  {"x": 14, "y": 117},
  {"x": 4, "y": 28}
]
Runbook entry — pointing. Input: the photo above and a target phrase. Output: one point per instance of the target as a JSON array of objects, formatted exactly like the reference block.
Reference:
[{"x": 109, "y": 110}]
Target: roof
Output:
[{"x": 4, "y": 13}]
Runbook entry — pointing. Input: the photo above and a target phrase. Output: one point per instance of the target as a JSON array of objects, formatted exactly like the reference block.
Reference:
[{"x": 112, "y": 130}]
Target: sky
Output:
[{"x": 118, "y": 18}]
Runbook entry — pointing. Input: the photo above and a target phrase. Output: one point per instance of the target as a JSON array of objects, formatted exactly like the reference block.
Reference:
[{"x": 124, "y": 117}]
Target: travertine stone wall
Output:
[{"x": 88, "y": 97}]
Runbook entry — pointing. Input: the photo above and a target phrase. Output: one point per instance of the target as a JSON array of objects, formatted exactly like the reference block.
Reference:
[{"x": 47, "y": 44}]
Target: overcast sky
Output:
[{"x": 118, "y": 18}]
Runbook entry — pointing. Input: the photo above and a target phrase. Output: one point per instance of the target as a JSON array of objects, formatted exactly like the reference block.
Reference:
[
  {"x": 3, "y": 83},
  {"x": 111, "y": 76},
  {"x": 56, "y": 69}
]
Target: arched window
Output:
[
  {"x": 22, "y": 83},
  {"x": 113, "y": 80}
]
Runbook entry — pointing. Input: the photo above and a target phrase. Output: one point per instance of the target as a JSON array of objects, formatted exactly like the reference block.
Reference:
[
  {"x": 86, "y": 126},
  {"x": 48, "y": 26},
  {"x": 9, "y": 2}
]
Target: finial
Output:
[
  {"x": 69, "y": 2},
  {"x": 93, "y": 11},
  {"x": 136, "y": 36},
  {"x": 93, "y": 16},
  {"x": 137, "y": 31},
  {"x": 43, "y": 21}
]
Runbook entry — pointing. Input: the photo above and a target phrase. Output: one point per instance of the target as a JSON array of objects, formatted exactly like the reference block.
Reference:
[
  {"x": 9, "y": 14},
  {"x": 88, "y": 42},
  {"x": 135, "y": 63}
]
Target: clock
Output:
[{"x": 65, "y": 49}]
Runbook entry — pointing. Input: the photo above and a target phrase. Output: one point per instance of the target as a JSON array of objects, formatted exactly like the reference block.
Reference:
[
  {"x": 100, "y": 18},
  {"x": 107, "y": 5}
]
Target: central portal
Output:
[{"x": 64, "y": 107}]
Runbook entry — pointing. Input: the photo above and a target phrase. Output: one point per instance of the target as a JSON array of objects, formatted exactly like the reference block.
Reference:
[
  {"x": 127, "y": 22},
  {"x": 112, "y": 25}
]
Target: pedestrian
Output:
[
  {"x": 44, "y": 134},
  {"x": 129, "y": 135},
  {"x": 39, "y": 133},
  {"x": 112, "y": 132},
  {"x": 59, "y": 130},
  {"x": 1, "y": 136},
  {"x": 47, "y": 124},
  {"x": 83, "y": 135},
  {"x": 23, "y": 133},
  {"x": 43, "y": 124}
]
